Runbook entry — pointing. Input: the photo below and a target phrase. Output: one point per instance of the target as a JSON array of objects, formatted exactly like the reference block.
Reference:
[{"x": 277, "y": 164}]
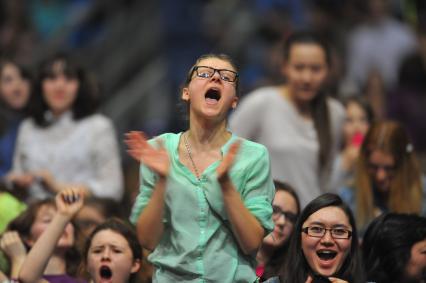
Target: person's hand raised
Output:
[
  {"x": 69, "y": 201},
  {"x": 226, "y": 164},
  {"x": 157, "y": 159}
]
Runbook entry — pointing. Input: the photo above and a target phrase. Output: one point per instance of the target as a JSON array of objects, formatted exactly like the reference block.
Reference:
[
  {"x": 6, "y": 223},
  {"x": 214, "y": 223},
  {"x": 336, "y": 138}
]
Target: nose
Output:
[
  {"x": 281, "y": 220},
  {"x": 106, "y": 254},
  {"x": 307, "y": 76},
  {"x": 381, "y": 174},
  {"x": 216, "y": 75},
  {"x": 327, "y": 239}
]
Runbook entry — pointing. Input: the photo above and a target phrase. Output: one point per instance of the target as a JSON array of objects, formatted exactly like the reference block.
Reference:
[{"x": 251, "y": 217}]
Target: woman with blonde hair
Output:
[{"x": 388, "y": 177}]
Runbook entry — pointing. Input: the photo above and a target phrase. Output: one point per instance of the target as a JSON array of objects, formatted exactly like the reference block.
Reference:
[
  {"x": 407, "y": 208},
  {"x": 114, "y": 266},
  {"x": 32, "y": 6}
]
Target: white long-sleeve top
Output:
[
  {"x": 82, "y": 152},
  {"x": 266, "y": 117}
]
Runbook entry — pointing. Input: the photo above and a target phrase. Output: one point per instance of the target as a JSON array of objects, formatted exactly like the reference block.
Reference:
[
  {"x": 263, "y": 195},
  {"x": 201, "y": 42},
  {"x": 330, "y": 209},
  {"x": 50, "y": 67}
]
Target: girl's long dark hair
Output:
[
  {"x": 387, "y": 244},
  {"x": 296, "y": 268},
  {"x": 277, "y": 259},
  {"x": 319, "y": 107}
]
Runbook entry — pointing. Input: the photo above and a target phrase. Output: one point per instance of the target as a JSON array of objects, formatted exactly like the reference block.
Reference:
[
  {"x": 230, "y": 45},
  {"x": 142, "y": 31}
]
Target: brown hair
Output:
[{"x": 405, "y": 194}]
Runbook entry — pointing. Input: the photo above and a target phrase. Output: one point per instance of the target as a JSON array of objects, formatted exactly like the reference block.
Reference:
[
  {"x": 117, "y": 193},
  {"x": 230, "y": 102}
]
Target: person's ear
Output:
[
  {"x": 234, "y": 102},
  {"x": 185, "y": 94},
  {"x": 284, "y": 69},
  {"x": 135, "y": 266}
]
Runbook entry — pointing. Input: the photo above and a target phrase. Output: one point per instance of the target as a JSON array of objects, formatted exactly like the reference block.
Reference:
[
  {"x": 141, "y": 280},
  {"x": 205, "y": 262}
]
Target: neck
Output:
[
  {"x": 206, "y": 136},
  {"x": 302, "y": 107},
  {"x": 56, "y": 265}
]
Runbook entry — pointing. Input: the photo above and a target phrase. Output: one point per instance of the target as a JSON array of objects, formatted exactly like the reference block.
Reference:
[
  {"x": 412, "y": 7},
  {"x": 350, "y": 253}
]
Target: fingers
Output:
[
  {"x": 8, "y": 238},
  {"x": 160, "y": 143},
  {"x": 232, "y": 152},
  {"x": 72, "y": 194},
  {"x": 135, "y": 138},
  {"x": 12, "y": 244},
  {"x": 69, "y": 197},
  {"x": 309, "y": 280},
  {"x": 235, "y": 147},
  {"x": 137, "y": 143},
  {"x": 337, "y": 280}
]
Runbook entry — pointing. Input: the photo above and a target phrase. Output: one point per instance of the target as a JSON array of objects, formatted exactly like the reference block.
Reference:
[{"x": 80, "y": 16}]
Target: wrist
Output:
[
  {"x": 18, "y": 258},
  {"x": 62, "y": 218}
]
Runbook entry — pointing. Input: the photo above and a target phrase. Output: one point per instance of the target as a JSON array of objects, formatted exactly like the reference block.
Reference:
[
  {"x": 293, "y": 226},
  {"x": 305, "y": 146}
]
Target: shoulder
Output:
[
  {"x": 28, "y": 125},
  {"x": 261, "y": 95},
  {"x": 336, "y": 108},
  {"x": 98, "y": 120},
  {"x": 252, "y": 149},
  {"x": 168, "y": 139},
  {"x": 334, "y": 104},
  {"x": 96, "y": 124}
]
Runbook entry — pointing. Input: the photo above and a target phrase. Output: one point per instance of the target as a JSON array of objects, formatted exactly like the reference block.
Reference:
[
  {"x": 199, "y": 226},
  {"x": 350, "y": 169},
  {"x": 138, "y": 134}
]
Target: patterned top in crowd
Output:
[
  {"x": 65, "y": 142},
  {"x": 205, "y": 195},
  {"x": 298, "y": 123},
  {"x": 387, "y": 177}
]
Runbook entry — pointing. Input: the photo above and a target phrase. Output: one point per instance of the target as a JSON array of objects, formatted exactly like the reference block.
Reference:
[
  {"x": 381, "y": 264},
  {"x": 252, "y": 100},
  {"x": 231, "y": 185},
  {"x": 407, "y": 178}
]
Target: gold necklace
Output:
[{"x": 188, "y": 151}]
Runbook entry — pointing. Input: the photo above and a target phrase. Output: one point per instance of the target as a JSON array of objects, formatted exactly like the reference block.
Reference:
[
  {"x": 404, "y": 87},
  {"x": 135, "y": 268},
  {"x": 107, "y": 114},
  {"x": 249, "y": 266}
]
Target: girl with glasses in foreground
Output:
[
  {"x": 324, "y": 246},
  {"x": 205, "y": 196}
]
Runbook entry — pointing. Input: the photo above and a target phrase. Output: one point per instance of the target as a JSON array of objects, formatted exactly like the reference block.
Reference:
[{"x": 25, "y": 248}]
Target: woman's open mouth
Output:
[
  {"x": 212, "y": 96},
  {"x": 105, "y": 272},
  {"x": 326, "y": 254}
]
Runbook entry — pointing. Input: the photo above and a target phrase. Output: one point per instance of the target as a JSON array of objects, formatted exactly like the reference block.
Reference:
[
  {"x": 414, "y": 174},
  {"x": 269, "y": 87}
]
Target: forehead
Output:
[
  {"x": 380, "y": 156},
  {"x": 9, "y": 68},
  {"x": 329, "y": 216},
  {"x": 216, "y": 63},
  {"x": 307, "y": 52},
  {"x": 58, "y": 67},
  {"x": 109, "y": 237},
  {"x": 355, "y": 109},
  {"x": 45, "y": 209},
  {"x": 285, "y": 200}
]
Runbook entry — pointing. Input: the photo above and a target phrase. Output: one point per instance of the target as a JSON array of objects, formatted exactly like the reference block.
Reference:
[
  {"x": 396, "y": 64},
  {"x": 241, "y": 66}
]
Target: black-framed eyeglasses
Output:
[
  {"x": 277, "y": 213},
  {"x": 319, "y": 232},
  {"x": 208, "y": 72}
]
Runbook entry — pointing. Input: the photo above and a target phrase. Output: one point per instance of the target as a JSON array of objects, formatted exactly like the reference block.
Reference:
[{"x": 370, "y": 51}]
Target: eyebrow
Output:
[{"x": 333, "y": 226}]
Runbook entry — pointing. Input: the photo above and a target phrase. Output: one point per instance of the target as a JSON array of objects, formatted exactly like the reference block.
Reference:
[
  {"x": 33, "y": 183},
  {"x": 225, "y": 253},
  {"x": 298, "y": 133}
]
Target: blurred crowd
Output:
[{"x": 334, "y": 89}]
